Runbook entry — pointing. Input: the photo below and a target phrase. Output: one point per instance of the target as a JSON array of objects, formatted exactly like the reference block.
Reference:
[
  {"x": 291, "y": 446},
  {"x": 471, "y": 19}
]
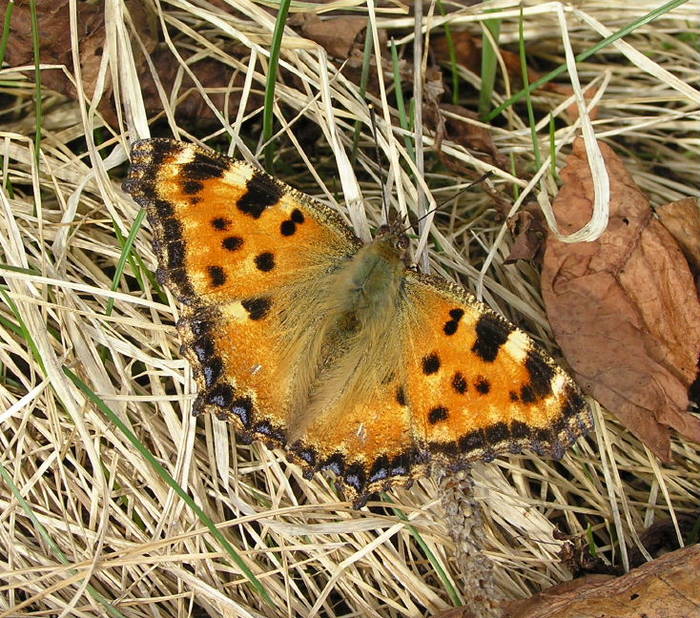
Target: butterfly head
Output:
[{"x": 393, "y": 236}]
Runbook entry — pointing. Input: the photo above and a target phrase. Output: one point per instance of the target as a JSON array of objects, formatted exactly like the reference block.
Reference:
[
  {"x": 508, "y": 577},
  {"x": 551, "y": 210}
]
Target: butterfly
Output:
[{"x": 334, "y": 350}]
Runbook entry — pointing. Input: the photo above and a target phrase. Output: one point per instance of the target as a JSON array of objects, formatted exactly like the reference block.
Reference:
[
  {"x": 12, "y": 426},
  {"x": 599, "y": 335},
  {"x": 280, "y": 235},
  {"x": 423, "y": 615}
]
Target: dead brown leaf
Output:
[
  {"x": 624, "y": 308},
  {"x": 529, "y": 232},
  {"x": 55, "y": 43},
  {"x": 337, "y": 35},
  {"x": 661, "y": 588},
  {"x": 468, "y": 53},
  {"x": 682, "y": 219}
]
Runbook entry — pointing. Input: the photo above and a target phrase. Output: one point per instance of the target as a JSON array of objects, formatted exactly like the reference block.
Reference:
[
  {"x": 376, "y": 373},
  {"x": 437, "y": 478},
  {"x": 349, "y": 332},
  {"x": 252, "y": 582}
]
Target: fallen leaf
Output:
[
  {"x": 55, "y": 43},
  {"x": 661, "y": 588},
  {"x": 624, "y": 308},
  {"x": 223, "y": 82},
  {"x": 529, "y": 232},
  {"x": 682, "y": 219},
  {"x": 337, "y": 35},
  {"x": 467, "y": 51}
]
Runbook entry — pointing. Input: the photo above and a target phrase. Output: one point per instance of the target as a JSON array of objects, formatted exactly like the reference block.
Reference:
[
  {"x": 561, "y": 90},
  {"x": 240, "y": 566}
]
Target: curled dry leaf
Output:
[
  {"x": 528, "y": 228},
  {"x": 663, "y": 587},
  {"x": 682, "y": 219},
  {"x": 624, "y": 308}
]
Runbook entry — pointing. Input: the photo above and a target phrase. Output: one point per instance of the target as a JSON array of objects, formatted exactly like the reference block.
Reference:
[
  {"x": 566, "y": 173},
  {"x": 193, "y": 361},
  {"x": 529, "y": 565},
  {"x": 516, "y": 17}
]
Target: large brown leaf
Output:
[
  {"x": 661, "y": 588},
  {"x": 624, "y": 308}
]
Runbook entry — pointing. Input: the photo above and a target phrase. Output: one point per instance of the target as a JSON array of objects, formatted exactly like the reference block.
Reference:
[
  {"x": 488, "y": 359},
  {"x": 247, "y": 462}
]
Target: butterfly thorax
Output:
[
  {"x": 354, "y": 347},
  {"x": 369, "y": 284}
]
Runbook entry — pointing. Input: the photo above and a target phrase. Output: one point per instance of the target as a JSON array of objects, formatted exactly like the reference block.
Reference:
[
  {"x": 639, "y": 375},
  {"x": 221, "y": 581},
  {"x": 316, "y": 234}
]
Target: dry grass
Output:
[{"x": 89, "y": 527}]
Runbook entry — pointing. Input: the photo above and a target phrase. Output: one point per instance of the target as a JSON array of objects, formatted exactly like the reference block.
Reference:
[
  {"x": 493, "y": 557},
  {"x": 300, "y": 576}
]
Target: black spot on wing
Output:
[
  {"x": 288, "y": 228},
  {"x": 459, "y": 383},
  {"x": 203, "y": 167},
  {"x": 221, "y": 396},
  {"x": 158, "y": 149},
  {"x": 498, "y": 432},
  {"x": 541, "y": 374},
  {"x": 172, "y": 229},
  {"x": 243, "y": 409},
  {"x": 220, "y": 223},
  {"x": 204, "y": 349},
  {"x": 212, "y": 370},
  {"x": 482, "y": 385},
  {"x": 308, "y": 456},
  {"x": 232, "y": 243},
  {"x": 175, "y": 255},
  {"x": 450, "y": 327},
  {"x": 335, "y": 463},
  {"x": 164, "y": 208},
  {"x": 261, "y": 191},
  {"x": 379, "y": 470},
  {"x": 191, "y": 187},
  {"x": 265, "y": 261},
  {"x": 437, "y": 414},
  {"x": 217, "y": 276},
  {"x": 519, "y": 430},
  {"x": 257, "y": 308},
  {"x": 400, "y": 396},
  {"x": 573, "y": 402},
  {"x": 472, "y": 441},
  {"x": 267, "y": 429},
  {"x": 431, "y": 364},
  {"x": 401, "y": 464},
  {"x": 355, "y": 477},
  {"x": 491, "y": 333}
]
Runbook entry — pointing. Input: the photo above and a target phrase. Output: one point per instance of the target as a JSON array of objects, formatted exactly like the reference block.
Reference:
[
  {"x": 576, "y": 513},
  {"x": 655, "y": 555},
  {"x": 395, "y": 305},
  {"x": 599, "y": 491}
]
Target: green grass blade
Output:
[
  {"x": 404, "y": 121},
  {"x": 126, "y": 256},
  {"x": 528, "y": 98},
  {"x": 651, "y": 16},
  {"x": 489, "y": 63},
  {"x": 275, "y": 49},
  {"x": 37, "y": 83},
  {"x": 6, "y": 30},
  {"x": 453, "y": 593},
  {"x": 364, "y": 79},
  {"x": 170, "y": 481}
]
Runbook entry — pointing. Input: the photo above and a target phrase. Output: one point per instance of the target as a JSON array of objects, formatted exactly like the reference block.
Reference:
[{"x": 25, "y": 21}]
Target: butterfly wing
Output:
[
  {"x": 482, "y": 386},
  {"x": 248, "y": 256},
  {"x": 229, "y": 238}
]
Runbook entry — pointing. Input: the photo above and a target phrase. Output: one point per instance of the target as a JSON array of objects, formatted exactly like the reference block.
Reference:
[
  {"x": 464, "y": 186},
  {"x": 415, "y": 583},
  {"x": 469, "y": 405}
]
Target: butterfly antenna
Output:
[
  {"x": 377, "y": 157},
  {"x": 456, "y": 195}
]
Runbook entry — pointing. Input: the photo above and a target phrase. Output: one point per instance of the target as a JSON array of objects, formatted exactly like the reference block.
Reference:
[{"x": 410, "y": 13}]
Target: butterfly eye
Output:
[{"x": 402, "y": 242}]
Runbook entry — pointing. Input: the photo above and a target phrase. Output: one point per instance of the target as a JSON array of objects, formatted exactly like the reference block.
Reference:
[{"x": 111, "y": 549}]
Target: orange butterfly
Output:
[{"x": 332, "y": 349}]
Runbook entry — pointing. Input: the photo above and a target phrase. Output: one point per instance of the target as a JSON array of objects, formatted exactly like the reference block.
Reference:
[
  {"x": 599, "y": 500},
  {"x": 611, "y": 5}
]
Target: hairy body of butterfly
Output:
[{"x": 334, "y": 350}]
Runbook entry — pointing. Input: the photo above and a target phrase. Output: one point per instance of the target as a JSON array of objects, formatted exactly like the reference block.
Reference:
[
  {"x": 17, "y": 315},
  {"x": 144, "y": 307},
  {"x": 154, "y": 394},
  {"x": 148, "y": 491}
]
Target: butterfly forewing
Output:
[{"x": 225, "y": 230}]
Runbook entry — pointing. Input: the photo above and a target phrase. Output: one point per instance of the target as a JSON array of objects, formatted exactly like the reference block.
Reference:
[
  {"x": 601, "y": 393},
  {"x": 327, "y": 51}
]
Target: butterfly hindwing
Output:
[{"x": 485, "y": 387}]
